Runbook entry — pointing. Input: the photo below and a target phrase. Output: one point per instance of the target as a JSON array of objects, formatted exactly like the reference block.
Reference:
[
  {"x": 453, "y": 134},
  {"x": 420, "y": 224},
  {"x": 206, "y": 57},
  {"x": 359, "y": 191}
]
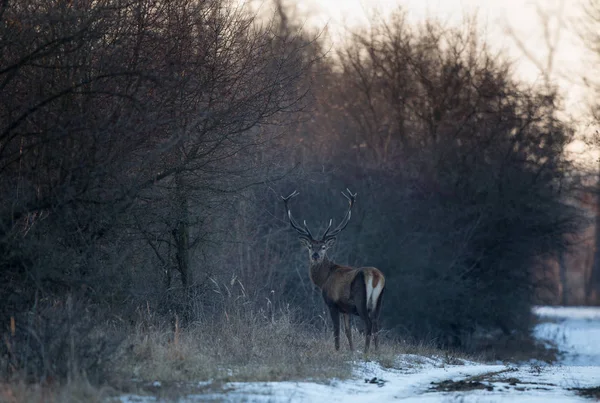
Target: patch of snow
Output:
[
  {"x": 529, "y": 385},
  {"x": 398, "y": 384},
  {"x": 136, "y": 399},
  {"x": 551, "y": 384},
  {"x": 575, "y": 331},
  {"x": 568, "y": 312}
]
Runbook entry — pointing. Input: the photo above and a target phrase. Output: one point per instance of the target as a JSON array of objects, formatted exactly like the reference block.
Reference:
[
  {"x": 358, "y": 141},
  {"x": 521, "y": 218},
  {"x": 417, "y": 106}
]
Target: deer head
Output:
[{"x": 317, "y": 248}]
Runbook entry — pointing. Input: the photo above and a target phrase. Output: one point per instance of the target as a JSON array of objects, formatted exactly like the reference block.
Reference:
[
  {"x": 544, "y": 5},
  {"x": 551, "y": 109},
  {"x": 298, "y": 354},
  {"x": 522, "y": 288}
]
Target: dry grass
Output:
[
  {"x": 236, "y": 348},
  {"x": 518, "y": 348},
  {"x": 251, "y": 348},
  {"x": 242, "y": 344},
  {"x": 390, "y": 349},
  {"x": 75, "y": 391}
]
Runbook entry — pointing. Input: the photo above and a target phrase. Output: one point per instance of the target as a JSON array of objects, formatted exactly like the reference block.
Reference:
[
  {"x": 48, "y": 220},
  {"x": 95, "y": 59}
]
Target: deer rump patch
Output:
[
  {"x": 374, "y": 286},
  {"x": 362, "y": 288}
]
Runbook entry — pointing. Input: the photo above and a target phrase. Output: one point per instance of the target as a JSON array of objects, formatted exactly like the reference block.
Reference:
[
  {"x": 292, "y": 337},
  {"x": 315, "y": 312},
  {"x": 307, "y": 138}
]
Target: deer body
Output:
[
  {"x": 345, "y": 290},
  {"x": 336, "y": 283}
]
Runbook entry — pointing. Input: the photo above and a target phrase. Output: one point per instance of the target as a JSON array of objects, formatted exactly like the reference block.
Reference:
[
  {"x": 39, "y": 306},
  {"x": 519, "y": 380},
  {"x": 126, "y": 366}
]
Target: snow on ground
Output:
[{"x": 576, "y": 332}]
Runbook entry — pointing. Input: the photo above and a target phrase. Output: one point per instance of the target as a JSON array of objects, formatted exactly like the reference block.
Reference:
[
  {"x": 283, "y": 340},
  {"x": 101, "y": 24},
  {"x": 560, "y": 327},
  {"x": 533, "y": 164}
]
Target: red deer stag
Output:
[{"x": 346, "y": 290}]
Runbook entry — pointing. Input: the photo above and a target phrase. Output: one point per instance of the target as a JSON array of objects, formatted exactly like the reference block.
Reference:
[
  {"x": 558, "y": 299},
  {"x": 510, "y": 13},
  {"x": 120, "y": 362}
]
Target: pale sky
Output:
[
  {"x": 497, "y": 19},
  {"x": 495, "y": 16}
]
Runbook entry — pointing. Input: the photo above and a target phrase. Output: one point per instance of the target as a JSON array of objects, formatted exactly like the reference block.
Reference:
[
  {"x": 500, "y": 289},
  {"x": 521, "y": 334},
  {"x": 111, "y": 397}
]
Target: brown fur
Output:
[
  {"x": 344, "y": 291},
  {"x": 376, "y": 276}
]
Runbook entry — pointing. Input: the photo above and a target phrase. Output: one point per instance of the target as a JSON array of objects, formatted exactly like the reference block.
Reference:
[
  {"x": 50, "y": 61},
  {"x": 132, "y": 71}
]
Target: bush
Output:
[{"x": 58, "y": 340}]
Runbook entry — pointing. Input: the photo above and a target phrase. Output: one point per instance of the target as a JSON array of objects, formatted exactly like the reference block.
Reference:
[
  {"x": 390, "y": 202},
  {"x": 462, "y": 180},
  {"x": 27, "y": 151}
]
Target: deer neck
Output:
[{"x": 319, "y": 272}]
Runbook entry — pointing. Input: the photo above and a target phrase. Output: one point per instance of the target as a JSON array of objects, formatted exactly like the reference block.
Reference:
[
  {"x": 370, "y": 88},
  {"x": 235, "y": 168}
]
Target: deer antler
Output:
[
  {"x": 351, "y": 198},
  {"x": 305, "y": 232}
]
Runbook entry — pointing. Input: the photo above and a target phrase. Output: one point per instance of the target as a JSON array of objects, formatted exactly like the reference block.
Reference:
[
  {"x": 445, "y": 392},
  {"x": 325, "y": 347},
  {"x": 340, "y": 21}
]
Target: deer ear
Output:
[
  {"x": 305, "y": 242},
  {"x": 330, "y": 242}
]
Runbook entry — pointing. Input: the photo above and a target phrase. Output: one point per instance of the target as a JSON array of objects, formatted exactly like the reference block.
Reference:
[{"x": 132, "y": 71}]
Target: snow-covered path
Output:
[
  {"x": 508, "y": 385},
  {"x": 576, "y": 332}
]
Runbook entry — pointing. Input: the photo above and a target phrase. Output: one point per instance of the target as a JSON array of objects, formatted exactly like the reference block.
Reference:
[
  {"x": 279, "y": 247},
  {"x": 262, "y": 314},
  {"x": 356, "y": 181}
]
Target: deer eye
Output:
[{"x": 323, "y": 247}]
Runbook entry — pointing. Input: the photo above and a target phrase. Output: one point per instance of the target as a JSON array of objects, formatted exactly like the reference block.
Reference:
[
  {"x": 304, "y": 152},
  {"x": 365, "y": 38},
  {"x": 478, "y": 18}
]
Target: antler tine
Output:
[
  {"x": 293, "y": 194},
  {"x": 327, "y": 229},
  {"x": 351, "y": 198},
  {"x": 307, "y": 230},
  {"x": 303, "y": 231}
]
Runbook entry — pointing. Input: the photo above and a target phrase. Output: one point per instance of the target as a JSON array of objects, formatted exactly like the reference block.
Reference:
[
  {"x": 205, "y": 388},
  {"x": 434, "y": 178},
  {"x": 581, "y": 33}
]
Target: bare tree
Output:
[
  {"x": 125, "y": 129},
  {"x": 469, "y": 172}
]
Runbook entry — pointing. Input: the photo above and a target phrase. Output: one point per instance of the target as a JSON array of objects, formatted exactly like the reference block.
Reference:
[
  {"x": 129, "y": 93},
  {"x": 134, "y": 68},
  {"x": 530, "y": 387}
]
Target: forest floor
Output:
[{"x": 575, "y": 331}]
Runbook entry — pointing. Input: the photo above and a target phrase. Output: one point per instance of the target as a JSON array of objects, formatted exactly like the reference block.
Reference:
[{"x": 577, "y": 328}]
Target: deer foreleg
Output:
[
  {"x": 348, "y": 330},
  {"x": 335, "y": 317}
]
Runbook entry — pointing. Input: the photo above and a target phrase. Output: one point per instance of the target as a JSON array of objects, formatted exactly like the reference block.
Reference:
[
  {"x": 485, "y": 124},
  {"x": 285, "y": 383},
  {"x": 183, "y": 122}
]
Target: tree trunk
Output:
[
  {"x": 181, "y": 234},
  {"x": 562, "y": 271}
]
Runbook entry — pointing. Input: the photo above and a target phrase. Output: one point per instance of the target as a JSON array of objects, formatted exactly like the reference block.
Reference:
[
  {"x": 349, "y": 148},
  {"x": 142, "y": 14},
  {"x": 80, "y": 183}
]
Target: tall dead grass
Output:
[
  {"x": 75, "y": 391},
  {"x": 246, "y": 341},
  {"x": 235, "y": 347},
  {"x": 253, "y": 347},
  {"x": 242, "y": 341},
  {"x": 236, "y": 340},
  {"x": 239, "y": 341}
]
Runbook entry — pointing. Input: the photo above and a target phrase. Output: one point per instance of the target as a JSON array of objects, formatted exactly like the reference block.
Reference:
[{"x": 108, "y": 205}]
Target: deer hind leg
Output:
[
  {"x": 375, "y": 319},
  {"x": 369, "y": 326},
  {"x": 359, "y": 291},
  {"x": 368, "y": 331},
  {"x": 364, "y": 314},
  {"x": 335, "y": 317},
  {"x": 348, "y": 330},
  {"x": 376, "y": 333}
]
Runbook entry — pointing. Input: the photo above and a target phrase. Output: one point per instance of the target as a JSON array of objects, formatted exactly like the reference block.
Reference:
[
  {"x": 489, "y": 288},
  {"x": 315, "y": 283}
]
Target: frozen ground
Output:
[{"x": 576, "y": 332}]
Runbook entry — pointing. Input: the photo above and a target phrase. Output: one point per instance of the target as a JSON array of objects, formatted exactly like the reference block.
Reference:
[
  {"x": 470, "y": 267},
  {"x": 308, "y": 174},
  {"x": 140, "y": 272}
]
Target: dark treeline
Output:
[{"x": 144, "y": 146}]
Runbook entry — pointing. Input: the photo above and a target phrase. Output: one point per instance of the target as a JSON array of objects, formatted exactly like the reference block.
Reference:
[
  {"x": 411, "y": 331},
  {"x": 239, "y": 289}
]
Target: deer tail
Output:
[{"x": 374, "y": 284}]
